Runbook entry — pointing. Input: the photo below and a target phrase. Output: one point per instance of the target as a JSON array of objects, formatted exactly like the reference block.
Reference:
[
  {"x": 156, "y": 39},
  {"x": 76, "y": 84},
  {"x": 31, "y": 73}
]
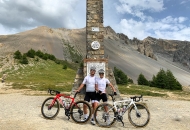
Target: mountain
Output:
[{"x": 132, "y": 56}]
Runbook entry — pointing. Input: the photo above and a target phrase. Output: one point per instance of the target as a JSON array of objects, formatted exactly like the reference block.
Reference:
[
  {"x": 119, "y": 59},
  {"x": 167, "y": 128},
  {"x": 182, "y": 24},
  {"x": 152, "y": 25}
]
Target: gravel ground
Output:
[{"x": 22, "y": 112}]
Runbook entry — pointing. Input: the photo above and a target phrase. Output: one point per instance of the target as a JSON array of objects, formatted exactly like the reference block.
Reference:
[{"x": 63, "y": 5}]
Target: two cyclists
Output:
[{"x": 95, "y": 89}]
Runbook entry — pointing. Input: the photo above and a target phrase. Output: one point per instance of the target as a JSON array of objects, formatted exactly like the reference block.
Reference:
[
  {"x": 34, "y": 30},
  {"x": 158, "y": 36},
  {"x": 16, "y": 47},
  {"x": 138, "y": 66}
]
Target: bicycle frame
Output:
[
  {"x": 106, "y": 114},
  {"x": 58, "y": 97},
  {"x": 51, "y": 106},
  {"x": 129, "y": 101}
]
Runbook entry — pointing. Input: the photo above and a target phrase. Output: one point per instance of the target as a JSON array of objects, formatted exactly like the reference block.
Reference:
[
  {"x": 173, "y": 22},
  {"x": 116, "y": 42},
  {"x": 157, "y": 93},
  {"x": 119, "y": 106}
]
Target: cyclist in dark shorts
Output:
[
  {"x": 90, "y": 95},
  {"x": 100, "y": 85}
]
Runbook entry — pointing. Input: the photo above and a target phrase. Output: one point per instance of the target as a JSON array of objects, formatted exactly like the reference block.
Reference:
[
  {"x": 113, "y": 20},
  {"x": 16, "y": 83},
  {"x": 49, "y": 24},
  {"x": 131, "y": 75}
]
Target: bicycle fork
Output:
[{"x": 138, "y": 114}]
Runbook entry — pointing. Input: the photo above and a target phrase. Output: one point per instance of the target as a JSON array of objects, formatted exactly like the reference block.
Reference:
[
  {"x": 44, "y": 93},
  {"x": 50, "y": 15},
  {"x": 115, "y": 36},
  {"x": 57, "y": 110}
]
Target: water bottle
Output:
[
  {"x": 120, "y": 111},
  {"x": 63, "y": 101},
  {"x": 67, "y": 104}
]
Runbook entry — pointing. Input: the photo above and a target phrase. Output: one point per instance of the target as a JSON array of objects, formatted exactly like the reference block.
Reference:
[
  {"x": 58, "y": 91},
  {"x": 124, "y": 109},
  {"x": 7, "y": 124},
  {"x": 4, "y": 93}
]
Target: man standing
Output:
[{"x": 90, "y": 95}]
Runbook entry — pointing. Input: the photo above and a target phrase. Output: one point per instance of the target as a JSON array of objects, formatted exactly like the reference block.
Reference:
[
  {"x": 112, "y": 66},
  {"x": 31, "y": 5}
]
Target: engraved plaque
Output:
[{"x": 95, "y": 45}]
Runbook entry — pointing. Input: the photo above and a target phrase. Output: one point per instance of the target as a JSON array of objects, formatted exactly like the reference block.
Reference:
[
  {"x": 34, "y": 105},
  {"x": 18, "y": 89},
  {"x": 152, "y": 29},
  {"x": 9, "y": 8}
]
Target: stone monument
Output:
[{"x": 94, "y": 46}]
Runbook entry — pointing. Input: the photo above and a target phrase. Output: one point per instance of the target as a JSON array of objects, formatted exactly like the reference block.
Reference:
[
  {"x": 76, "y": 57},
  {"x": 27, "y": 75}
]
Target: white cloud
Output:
[
  {"x": 136, "y": 7},
  {"x": 184, "y": 1},
  {"x": 167, "y": 28},
  {"x": 182, "y": 19},
  {"x": 19, "y": 14},
  {"x": 170, "y": 19},
  {"x": 133, "y": 28}
]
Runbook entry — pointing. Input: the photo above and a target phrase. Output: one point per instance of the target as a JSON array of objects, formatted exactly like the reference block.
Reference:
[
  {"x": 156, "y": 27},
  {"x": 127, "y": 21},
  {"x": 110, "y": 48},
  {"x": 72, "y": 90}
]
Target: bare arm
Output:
[
  {"x": 96, "y": 87},
  {"x": 81, "y": 86},
  {"x": 112, "y": 87}
]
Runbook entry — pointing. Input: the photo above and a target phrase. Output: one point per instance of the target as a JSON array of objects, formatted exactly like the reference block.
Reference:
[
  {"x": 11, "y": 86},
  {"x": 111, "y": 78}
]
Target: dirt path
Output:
[{"x": 22, "y": 112}]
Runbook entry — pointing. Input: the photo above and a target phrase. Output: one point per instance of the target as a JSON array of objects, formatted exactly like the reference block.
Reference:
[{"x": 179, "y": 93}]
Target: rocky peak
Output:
[{"x": 108, "y": 30}]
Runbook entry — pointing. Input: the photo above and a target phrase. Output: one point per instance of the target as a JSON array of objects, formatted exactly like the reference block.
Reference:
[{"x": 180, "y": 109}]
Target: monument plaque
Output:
[
  {"x": 95, "y": 45},
  {"x": 98, "y": 65},
  {"x": 95, "y": 29}
]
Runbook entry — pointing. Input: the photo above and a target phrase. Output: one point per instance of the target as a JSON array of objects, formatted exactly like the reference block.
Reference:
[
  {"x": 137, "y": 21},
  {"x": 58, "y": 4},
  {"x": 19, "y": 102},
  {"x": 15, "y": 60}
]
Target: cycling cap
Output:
[
  {"x": 92, "y": 68},
  {"x": 101, "y": 71}
]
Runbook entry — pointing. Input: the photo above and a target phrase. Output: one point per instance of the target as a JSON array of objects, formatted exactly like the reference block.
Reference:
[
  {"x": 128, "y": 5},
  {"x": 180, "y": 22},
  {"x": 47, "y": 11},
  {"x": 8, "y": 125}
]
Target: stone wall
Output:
[{"x": 94, "y": 28}]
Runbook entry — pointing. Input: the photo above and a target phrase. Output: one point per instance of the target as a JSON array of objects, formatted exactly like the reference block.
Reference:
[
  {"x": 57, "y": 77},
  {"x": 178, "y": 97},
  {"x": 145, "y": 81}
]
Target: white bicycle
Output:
[{"x": 138, "y": 114}]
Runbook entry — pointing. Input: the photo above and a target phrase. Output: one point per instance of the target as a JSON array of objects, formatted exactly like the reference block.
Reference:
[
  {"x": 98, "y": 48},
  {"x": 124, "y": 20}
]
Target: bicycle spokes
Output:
[
  {"x": 81, "y": 112},
  {"x": 105, "y": 115},
  {"x": 139, "y": 116},
  {"x": 50, "y": 108}
]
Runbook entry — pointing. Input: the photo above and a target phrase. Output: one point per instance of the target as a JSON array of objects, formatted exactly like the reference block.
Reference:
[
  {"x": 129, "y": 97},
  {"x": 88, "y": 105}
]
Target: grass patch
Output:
[
  {"x": 42, "y": 75},
  {"x": 133, "y": 89},
  {"x": 141, "y": 90}
]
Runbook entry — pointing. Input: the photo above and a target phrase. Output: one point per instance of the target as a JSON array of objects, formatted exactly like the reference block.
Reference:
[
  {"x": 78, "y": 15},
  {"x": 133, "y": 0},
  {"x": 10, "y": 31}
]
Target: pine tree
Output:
[
  {"x": 161, "y": 79},
  {"x": 153, "y": 81},
  {"x": 31, "y": 53},
  {"x": 65, "y": 67},
  {"x": 120, "y": 77},
  {"x": 172, "y": 83},
  {"x": 142, "y": 80},
  {"x": 17, "y": 55},
  {"x": 24, "y": 59}
]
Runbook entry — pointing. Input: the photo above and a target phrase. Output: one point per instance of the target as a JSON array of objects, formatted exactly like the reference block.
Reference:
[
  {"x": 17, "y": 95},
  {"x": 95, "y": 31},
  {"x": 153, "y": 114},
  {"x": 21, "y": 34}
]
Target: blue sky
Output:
[{"x": 166, "y": 19}]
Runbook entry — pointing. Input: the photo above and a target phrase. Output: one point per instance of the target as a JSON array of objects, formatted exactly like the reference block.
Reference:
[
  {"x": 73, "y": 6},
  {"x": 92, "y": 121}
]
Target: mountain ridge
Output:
[{"x": 133, "y": 56}]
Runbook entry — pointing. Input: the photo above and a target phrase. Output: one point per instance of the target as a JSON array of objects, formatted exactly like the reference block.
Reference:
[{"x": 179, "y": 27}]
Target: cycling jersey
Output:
[
  {"x": 101, "y": 82},
  {"x": 90, "y": 83}
]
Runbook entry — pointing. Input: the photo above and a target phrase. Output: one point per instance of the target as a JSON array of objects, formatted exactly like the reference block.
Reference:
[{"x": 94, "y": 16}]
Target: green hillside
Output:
[{"x": 41, "y": 75}]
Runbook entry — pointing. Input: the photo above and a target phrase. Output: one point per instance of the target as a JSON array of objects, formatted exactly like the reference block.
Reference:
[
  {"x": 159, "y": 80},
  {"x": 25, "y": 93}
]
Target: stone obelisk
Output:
[{"x": 94, "y": 45}]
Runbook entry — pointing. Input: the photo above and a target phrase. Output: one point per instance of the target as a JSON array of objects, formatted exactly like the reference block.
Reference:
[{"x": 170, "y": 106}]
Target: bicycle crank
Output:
[
  {"x": 67, "y": 113},
  {"x": 120, "y": 119}
]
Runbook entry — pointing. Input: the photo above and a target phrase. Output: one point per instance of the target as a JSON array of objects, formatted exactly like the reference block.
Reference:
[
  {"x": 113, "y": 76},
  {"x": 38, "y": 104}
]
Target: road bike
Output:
[
  {"x": 138, "y": 114},
  {"x": 51, "y": 107}
]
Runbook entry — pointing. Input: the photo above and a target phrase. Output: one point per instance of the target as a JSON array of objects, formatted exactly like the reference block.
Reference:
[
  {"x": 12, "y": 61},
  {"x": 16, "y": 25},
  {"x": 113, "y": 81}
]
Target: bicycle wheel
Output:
[
  {"x": 78, "y": 112},
  {"x": 49, "y": 109},
  {"x": 139, "y": 118},
  {"x": 104, "y": 115}
]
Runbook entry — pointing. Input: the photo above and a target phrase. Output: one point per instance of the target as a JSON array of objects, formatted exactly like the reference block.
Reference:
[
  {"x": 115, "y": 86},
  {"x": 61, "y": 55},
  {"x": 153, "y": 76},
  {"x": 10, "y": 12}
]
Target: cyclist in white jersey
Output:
[
  {"x": 100, "y": 84},
  {"x": 90, "y": 95}
]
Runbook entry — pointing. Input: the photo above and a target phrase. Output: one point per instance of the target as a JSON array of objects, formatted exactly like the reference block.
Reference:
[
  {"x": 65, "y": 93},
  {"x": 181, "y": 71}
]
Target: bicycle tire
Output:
[
  {"x": 77, "y": 113},
  {"x": 102, "y": 118},
  {"x": 52, "y": 112},
  {"x": 141, "y": 119}
]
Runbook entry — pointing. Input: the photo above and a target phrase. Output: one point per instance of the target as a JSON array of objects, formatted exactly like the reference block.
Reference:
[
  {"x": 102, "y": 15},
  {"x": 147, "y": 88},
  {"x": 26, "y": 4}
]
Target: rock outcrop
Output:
[{"x": 182, "y": 56}]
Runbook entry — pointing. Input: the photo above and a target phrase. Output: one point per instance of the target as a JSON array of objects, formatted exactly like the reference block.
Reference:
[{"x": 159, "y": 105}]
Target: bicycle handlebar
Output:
[
  {"x": 113, "y": 99},
  {"x": 135, "y": 98},
  {"x": 55, "y": 92},
  {"x": 76, "y": 94}
]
